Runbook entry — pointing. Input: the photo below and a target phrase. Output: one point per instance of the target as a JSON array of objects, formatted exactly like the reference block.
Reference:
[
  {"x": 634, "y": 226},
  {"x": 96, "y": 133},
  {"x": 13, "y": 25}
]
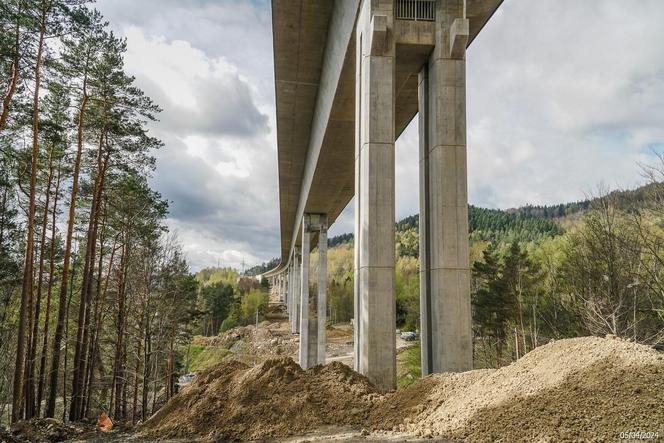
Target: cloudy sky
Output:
[{"x": 563, "y": 95}]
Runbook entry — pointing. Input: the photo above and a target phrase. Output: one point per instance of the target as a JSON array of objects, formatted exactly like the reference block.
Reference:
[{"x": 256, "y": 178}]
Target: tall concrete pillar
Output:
[
  {"x": 322, "y": 289},
  {"x": 308, "y": 325},
  {"x": 280, "y": 286},
  {"x": 444, "y": 257},
  {"x": 287, "y": 286},
  {"x": 313, "y": 304},
  {"x": 289, "y": 291},
  {"x": 375, "y": 351},
  {"x": 282, "y": 295},
  {"x": 295, "y": 301},
  {"x": 291, "y": 288}
]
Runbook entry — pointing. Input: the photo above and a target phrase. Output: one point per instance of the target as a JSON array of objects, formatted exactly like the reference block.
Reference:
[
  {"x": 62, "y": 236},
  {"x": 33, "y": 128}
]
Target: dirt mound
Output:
[
  {"x": 274, "y": 399},
  {"x": 589, "y": 389},
  {"x": 41, "y": 430}
]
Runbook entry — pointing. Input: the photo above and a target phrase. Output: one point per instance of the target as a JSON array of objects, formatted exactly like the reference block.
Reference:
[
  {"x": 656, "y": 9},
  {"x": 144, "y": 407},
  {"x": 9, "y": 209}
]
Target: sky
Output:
[{"x": 562, "y": 96}]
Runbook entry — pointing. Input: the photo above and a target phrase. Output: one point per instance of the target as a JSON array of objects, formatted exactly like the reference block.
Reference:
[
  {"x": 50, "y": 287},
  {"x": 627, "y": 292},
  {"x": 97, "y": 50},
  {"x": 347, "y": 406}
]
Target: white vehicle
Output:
[
  {"x": 186, "y": 378},
  {"x": 408, "y": 335}
]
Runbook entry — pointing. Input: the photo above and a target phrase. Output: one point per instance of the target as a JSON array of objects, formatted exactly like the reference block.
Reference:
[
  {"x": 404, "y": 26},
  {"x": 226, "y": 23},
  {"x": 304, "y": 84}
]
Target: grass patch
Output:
[
  {"x": 408, "y": 366},
  {"x": 200, "y": 357}
]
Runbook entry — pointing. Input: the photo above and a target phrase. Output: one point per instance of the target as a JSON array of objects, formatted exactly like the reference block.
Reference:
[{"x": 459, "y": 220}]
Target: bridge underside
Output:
[
  {"x": 314, "y": 57},
  {"x": 350, "y": 76}
]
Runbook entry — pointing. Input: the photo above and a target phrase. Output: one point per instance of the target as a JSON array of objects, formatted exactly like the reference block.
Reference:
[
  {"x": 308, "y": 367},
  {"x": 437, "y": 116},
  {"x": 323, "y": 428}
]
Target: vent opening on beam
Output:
[{"x": 418, "y": 10}]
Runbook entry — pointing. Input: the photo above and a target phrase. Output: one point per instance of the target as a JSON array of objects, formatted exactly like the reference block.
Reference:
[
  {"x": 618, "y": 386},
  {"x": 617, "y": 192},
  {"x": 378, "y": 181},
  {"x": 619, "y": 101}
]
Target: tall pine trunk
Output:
[
  {"x": 136, "y": 369},
  {"x": 51, "y": 274},
  {"x": 82, "y": 332},
  {"x": 62, "y": 308},
  {"x": 118, "y": 364},
  {"x": 26, "y": 287},
  {"x": 30, "y": 401},
  {"x": 147, "y": 346},
  {"x": 89, "y": 343},
  {"x": 99, "y": 318}
]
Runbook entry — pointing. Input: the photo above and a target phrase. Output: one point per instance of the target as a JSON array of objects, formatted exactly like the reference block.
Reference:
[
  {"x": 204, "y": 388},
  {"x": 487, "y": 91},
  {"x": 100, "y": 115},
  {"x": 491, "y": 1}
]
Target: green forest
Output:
[
  {"x": 539, "y": 273},
  {"x": 538, "y": 277},
  {"x": 97, "y": 301}
]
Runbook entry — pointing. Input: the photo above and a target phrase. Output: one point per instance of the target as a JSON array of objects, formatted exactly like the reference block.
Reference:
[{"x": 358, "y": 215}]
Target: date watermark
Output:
[{"x": 639, "y": 435}]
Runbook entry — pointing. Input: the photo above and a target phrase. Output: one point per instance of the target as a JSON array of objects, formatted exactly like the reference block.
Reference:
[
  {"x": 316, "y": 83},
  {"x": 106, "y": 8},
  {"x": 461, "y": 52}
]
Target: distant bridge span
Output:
[{"x": 337, "y": 121}]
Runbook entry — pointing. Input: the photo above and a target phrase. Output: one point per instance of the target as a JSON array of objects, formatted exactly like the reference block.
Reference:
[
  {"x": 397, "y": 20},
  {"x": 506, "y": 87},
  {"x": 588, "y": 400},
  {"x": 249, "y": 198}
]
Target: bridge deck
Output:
[{"x": 314, "y": 58}]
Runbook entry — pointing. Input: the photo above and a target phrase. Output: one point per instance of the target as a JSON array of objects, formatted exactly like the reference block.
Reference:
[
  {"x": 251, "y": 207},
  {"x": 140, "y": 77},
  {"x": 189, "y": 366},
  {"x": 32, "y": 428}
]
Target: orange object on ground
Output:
[{"x": 104, "y": 422}]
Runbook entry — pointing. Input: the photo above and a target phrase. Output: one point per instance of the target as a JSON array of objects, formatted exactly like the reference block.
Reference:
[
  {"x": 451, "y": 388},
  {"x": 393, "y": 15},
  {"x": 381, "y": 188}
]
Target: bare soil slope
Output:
[
  {"x": 274, "y": 399},
  {"x": 582, "y": 389}
]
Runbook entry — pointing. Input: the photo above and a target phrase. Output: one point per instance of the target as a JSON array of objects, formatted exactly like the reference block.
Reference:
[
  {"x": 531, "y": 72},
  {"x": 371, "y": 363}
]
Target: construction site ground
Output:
[{"x": 580, "y": 389}]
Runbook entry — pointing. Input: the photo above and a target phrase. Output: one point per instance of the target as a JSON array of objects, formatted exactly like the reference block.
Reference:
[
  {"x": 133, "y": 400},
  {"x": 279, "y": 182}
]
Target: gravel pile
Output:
[{"x": 582, "y": 389}]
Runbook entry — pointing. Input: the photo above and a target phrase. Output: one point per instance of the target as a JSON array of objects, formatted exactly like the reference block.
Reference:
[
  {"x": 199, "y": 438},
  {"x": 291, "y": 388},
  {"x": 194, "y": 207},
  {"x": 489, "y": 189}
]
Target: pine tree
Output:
[{"x": 493, "y": 305}]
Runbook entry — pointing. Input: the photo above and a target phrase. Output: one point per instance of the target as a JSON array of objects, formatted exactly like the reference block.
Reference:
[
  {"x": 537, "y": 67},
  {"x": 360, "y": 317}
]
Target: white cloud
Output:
[
  {"x": 562, "y": 95},
  {"x": 217, "y": 167}
]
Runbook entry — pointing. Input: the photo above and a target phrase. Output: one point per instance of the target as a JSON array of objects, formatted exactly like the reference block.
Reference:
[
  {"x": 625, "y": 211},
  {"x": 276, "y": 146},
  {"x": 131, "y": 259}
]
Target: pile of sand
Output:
[
  {"x": 589, "y": 389},
  {"x": 274, "y": 399}
]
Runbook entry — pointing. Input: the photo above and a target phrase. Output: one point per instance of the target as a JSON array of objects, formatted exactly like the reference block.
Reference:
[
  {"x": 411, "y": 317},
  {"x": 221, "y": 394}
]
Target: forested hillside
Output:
[
  {"x": 533, "y": 281},
  {"x": 623, "y": 199},
  {"x": 227, "y": 299},
  {"x": 263, "y": 267},
  {"x": 95, "y": 294}
]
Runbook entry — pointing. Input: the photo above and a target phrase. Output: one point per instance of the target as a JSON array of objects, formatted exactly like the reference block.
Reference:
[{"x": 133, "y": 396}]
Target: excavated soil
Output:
[
  {"x": 44, "y": 430},
  {"x": 582, "y": 389},
  {"x": 274, "y": 399}
]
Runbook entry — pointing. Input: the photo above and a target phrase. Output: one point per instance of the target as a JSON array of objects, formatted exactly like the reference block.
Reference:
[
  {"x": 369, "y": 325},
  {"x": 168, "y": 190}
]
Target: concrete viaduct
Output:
[{"x": 350, "y": 75}]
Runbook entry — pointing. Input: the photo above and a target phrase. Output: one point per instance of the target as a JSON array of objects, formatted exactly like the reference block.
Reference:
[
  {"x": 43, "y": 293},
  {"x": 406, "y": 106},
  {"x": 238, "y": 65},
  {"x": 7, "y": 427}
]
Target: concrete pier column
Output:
[
  {"x": 444, "y": 257},
  {"x": 375, "y": 352},
  {"x": 322, "y": 289},
  {"x": 282, "y": 286},
  {"x": 313, "y": 304},
  {"x": 288, "y": 284},
  {"x": 289, "y": 291},
  {"x": 308, "y": 309},
  {"x": 295, "y": 301}
]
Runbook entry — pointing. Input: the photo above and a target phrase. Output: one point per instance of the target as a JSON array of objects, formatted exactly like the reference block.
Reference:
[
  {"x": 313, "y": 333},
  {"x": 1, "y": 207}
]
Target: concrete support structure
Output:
[
  {"x": 350, "y": 75},
  {"x": 444, "y": 256},
  {"x": 284, "y": 287},
  {"x": 289, "y": 294},
  {"x": 322, "y": 289},
  {"x": 375, "y": 350},
  {"x": 277, "y": 286},
  {"x": 280, "y": 286},
  {"x": 295, "y": 301},
  {"x": 291, "y": 291},
  {"x": 306, "y": 329},
  {"x": 313, "y": 316}
]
